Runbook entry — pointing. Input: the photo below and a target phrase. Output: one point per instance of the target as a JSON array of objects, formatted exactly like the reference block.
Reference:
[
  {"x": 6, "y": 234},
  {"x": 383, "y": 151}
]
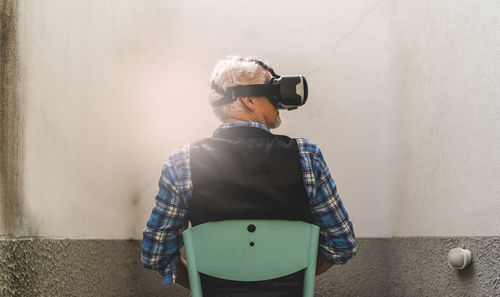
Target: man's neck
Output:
[{"x": 237, "y": 119}]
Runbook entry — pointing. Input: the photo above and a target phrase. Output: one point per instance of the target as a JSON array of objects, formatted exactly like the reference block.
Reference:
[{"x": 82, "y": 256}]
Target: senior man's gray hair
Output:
[{"x": 234, "y": 71}]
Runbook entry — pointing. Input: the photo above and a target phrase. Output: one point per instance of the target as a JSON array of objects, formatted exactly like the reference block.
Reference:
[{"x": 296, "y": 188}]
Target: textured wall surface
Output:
[
  {"x": 417, "y": 267},
  {"x": 364, "y": 275},
  {"x": 48, "y": 267},
  {"x": 383, "y": 267}
]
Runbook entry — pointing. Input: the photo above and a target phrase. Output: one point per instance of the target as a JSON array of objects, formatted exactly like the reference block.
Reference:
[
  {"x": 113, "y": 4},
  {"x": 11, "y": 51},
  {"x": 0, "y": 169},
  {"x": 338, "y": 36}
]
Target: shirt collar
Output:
[{"x": 240, "y": 124}]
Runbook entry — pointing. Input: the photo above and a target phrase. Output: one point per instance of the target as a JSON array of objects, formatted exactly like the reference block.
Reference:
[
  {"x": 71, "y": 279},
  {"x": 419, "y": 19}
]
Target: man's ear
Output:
[{"x": 248, "y": 103}]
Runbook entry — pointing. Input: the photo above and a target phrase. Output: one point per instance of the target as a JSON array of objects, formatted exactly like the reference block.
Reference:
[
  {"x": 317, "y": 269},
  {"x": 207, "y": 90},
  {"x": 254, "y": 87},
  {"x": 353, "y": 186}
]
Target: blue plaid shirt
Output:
[{"x": 162, "y": 237}]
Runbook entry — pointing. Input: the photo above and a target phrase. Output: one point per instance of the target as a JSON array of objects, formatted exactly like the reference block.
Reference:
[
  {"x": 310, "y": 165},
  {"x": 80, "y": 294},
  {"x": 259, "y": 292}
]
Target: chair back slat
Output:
[{"x": 252, "y": 250}]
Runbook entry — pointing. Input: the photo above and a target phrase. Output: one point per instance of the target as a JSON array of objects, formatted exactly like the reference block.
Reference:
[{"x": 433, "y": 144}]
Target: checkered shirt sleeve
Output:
[
  {"x": 162, "y": 237},
  {"x": 337, "y": 242}
]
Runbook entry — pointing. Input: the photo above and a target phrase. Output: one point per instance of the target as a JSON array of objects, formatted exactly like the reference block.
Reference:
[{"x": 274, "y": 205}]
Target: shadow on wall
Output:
[{"x": 11, "y": 124}]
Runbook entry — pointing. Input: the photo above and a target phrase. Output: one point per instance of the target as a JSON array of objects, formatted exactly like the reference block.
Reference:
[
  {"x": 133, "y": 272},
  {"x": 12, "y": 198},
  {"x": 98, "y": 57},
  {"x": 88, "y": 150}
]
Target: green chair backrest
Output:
[{"x": 251, "y": 250}]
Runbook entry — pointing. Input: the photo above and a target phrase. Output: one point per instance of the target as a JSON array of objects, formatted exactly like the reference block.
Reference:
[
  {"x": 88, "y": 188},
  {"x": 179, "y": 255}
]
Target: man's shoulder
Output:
[
  {"x": 307, "y": 146},
  {"x": 178, "y": 158},
  {"x": 181, "y": 155}
]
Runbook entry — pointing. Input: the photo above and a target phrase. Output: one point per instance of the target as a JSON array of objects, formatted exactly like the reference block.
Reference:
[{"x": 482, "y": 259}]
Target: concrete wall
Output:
[
  {"x": 445, "y": 67},
  {"x": 403, "y": 101},
  {"x": 112, "y": 88},
  {"x": 384, "y": 267}
]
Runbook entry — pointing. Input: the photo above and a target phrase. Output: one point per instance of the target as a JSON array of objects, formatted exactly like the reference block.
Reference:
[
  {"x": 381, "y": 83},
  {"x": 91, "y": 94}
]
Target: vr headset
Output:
[{"x": 285, "y": 92}]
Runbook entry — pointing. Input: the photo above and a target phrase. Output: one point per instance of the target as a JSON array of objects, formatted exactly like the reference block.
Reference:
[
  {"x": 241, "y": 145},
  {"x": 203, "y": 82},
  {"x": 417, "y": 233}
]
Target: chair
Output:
[{"x": 251, "y": 250}]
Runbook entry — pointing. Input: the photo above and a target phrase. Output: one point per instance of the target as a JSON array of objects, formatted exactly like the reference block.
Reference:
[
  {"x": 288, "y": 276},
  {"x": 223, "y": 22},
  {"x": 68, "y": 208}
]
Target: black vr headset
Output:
[{"x": 285, "y": 92}]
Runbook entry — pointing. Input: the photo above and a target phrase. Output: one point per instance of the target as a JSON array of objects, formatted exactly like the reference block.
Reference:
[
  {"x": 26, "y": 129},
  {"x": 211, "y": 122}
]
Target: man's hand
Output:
[
  {"x": 182, "y": 273},
  {"x": 322, "y": 265}
]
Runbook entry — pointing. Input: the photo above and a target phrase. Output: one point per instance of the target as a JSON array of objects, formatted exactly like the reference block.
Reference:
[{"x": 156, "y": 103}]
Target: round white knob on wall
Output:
[{"x": 459, "y": 258}]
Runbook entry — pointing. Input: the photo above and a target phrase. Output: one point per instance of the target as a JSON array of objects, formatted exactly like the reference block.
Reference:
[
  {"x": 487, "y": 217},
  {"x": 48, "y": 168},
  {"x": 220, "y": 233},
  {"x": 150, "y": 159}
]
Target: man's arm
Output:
[
  {"x": 337, "y": 242},
  {"x": 162, "y": 237}
]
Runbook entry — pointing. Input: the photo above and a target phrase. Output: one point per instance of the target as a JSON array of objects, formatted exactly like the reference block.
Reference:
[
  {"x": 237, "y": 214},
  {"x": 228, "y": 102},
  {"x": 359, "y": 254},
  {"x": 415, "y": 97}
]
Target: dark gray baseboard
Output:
[
  {"x": 49, "y": 267},
  {"x": 414, "y": 266}
]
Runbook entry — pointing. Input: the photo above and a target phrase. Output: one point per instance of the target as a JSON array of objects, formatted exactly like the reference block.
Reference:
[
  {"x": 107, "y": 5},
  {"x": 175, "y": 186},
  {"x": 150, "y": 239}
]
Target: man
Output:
[{"x": 243, "y": 171}]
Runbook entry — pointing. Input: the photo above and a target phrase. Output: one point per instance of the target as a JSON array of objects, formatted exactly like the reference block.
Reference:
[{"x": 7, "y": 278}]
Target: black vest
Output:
[{"x": 248, "y": 173}]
